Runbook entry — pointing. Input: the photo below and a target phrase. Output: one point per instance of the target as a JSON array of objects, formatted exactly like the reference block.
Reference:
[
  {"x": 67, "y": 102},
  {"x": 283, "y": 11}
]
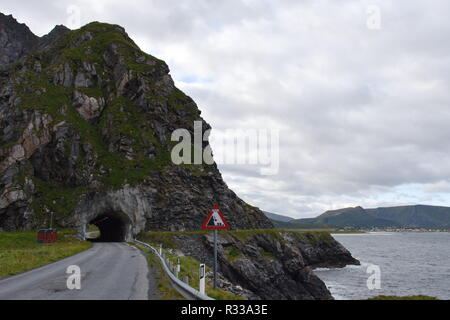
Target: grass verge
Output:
[
  {"x": 165, "y": 288},
  {"x": 189, "y": 266},
  {"x": 20, "y": 252}
]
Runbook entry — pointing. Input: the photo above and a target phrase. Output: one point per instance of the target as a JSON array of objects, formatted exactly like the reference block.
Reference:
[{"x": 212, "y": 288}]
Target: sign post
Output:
[
  {"x": 215, "y": 260},
  {"x": 215, "y": 221}
]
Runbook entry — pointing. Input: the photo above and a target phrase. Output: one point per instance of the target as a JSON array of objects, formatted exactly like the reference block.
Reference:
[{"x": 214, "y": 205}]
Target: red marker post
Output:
[{"x": 215, "y": 221}]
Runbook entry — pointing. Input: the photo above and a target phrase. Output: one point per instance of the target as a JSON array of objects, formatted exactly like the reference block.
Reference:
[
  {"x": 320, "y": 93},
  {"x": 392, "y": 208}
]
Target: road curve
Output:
[{"x": 109, "y": 271}]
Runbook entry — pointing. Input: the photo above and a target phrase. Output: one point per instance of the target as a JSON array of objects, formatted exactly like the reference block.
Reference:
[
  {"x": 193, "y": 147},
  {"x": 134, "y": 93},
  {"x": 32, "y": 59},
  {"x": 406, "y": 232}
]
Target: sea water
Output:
[{"x": 410, "y": 263}]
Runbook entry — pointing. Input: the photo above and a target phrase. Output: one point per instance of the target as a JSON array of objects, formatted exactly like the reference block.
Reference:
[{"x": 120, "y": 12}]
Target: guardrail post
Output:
[
  {"x": 202, "y": 273},
  {"x": 160, "y": 249},
  {"x": 186, "y": 279}
]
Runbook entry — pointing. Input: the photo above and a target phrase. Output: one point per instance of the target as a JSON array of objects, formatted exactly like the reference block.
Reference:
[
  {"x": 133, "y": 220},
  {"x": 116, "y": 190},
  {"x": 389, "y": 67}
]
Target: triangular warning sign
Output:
[{"x": 215, "y": 220}]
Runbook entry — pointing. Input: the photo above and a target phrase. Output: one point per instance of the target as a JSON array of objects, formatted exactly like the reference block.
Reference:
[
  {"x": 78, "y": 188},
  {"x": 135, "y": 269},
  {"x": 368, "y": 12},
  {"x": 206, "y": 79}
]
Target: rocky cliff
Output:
[
  {"x": 86, "y": 120},
  {"x": 16, "y": 40},
  {"x": 266, "y": 264}
]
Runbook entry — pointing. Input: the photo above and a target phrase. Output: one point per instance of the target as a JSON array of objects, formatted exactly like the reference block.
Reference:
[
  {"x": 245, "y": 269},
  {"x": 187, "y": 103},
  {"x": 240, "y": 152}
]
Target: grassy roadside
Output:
[
  {"x": 189, "y": 268},
  {"x": 20, "y": 252},
  {"x": 166, "y": 237},
  {"x": 166, "y": 291}
]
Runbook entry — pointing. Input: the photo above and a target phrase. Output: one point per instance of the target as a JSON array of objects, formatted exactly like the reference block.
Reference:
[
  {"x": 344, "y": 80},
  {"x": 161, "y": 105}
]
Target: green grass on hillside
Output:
[
  {"x": 166, "y": 238},
  {"x": 20, "y": 252}
]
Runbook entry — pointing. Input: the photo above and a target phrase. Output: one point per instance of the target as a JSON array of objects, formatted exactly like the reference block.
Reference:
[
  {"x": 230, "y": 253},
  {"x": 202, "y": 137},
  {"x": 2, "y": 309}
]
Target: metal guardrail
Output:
[{"x": 183, "y": 288}]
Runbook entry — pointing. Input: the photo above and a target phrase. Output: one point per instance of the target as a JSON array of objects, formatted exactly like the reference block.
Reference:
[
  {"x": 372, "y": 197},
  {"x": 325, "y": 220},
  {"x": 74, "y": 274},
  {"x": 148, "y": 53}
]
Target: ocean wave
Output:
[
  {"x": 369, "y": 233},
  {"x": 380, "y": 233},
  {"x": 324, "y": 269},
  {"x": 410, "y": 264},
  {"x": 350, "y": 266}
]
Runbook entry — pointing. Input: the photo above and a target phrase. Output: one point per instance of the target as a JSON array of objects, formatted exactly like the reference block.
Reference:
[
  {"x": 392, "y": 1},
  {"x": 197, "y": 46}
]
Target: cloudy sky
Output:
[{"x": 358, "y": 89}]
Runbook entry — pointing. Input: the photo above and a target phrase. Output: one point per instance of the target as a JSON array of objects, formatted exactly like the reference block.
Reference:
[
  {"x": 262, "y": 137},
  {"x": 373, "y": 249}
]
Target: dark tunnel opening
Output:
[{"x": 112, "y": 228}]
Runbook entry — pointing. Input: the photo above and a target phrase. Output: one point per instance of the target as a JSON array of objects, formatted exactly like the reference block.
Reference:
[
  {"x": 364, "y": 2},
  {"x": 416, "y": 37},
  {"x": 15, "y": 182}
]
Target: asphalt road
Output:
[{"x": 109, "y": 271}]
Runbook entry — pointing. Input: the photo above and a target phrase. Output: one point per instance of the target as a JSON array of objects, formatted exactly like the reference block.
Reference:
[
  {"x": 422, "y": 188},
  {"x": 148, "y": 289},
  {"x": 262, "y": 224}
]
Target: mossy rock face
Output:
[{"x": 86, "y": 120}]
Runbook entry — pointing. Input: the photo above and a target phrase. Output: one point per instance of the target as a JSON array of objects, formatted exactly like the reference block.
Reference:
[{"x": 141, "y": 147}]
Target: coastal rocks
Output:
[
  {"x": 277, "y": 265},
  {"x": 270, "y": 264},
  {"x": 226, "y": 285}
]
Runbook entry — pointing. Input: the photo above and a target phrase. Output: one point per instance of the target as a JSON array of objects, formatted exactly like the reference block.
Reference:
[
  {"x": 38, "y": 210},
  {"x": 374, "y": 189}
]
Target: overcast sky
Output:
[{"x": 363, "y": 112}]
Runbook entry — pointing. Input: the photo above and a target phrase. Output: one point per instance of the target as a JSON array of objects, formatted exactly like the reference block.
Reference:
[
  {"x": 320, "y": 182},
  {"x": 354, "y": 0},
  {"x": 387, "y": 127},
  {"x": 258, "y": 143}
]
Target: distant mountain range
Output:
[
  {"x": 419, "y": 216},
  {"x": 277, "y": 217}
]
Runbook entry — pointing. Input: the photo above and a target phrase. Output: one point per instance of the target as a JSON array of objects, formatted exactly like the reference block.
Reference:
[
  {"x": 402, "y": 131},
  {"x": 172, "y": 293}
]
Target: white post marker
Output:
[
  {"x": 178, "y": 269},
  {"x": 83, "y": 232},
  {"x": 160, "y": 249},
  {"x": 202, "y": 273}
]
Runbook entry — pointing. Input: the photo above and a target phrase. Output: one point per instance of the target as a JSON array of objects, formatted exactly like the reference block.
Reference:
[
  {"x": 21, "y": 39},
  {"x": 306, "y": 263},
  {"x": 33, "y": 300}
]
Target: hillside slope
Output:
[{"x": 277, "y": 217}]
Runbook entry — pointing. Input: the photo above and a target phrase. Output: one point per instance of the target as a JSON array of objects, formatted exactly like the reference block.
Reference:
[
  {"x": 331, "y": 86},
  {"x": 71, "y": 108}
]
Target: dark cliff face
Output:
[
  {"x": 271, "y": 264},
  {"x": 16, "y": 40},
  {"x": 86, "y": 120}
]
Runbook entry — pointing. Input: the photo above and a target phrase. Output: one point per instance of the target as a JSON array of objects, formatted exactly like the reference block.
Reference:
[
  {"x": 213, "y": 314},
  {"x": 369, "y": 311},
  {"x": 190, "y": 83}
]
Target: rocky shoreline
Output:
[{"x": 265, "y": 264}]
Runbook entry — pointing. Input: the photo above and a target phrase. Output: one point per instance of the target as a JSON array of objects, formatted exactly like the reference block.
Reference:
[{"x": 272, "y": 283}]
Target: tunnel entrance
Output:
[{"x": 112, "y": 227}]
